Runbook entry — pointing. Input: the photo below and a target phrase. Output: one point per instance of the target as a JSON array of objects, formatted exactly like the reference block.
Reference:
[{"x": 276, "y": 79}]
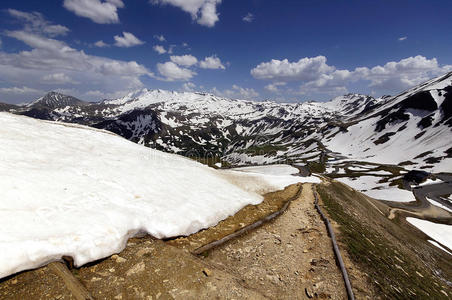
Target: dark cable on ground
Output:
[{"x": 348, "y": 286}]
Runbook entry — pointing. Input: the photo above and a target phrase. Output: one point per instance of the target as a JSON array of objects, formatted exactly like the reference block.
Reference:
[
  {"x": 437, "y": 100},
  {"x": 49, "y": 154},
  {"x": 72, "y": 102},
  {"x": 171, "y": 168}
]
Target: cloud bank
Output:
[{"x": 315, "y": 76}]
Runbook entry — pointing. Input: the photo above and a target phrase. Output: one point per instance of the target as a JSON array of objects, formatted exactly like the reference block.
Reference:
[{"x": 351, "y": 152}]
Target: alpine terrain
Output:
[
  {"x": 411, "y": 129},
  {"x": 395, "y": 150}
]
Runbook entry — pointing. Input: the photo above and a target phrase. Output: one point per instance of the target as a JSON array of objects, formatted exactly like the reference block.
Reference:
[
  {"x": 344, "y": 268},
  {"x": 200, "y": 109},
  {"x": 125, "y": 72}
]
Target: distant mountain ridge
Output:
[
  {"x": 412, "y": 128},
  {"x": 53, "y": 100}
]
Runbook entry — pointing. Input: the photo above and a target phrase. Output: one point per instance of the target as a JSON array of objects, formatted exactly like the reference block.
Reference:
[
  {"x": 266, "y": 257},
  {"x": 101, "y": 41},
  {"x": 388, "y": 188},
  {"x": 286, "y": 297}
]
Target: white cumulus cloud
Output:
[
  {"x": 308, "y": 68},
  {"x": 159, "y": 49},
  {"x": 184, "y": 60},
  {"x": 102, "y": 12},
  {"x": 160, "y": 38},
  {"x": 58, "y": 78},
  {"x": 37, "y": 41},
  {"x": 402, "y": 74},
  {"x": 127, "y": 40},
  {"x": 101, "y": 44},
  {"x": 211, "y": 62},
  {"x": 171, "y": 49},
  {"x": 204, "y": 12},
  {"x": 188, "y": 86},
  {"x": 172, "y": 72},
  {"x": 273, "y": 87},
  {"x": 329, "y": 83},
  {"x": 248, "y": 18}
]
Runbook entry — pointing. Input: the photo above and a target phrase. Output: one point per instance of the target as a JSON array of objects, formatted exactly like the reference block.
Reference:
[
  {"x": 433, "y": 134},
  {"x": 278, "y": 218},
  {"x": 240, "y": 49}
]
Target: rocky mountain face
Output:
[
  {"x": 411, "y": 129},
  {"x": 7, "y": 107},
  {"x": 54, "y": 100}
]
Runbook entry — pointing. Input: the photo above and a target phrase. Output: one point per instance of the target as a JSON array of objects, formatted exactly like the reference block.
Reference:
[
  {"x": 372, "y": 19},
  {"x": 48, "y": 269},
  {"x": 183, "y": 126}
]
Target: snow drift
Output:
[{"x": 69, "y": 190}]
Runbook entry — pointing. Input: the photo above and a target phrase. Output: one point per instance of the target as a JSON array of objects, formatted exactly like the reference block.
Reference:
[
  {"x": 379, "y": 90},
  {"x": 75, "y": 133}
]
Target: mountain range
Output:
[{"x": 411, "y": 129}]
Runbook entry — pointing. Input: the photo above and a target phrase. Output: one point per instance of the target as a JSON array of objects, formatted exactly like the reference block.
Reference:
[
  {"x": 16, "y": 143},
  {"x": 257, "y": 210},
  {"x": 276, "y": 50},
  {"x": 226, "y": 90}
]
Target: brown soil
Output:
[
  {"x": 248, "y": 215},
  {"x": 289, "y": 258},
  {"x": 37, "y": 284},
  {"x": 150, "y": 269}
]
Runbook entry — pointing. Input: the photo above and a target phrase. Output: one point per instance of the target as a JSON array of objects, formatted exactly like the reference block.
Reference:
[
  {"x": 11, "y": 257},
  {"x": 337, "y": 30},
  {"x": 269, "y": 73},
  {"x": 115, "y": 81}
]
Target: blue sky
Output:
[{"x": 293, "y": 50}]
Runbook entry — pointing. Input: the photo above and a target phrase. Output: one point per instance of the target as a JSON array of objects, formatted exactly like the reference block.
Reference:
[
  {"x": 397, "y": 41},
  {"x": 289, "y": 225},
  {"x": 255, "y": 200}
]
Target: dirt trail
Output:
[
  {"x": 289, "y": 258},
  {"x": 150, "y": 269}
]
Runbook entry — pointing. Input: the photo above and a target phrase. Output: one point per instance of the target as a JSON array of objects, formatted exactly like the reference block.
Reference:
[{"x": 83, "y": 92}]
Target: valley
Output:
[
  {"x": 368, "y": 143},
  {"x": 382, "y": 168}
]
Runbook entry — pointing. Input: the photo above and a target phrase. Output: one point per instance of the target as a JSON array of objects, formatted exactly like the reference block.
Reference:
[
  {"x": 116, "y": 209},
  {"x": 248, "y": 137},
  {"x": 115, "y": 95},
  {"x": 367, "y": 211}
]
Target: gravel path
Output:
[{"x": 289, "y": 258}]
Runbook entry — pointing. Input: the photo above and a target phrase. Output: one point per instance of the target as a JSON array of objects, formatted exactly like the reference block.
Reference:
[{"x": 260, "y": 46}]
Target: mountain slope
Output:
[
  {"x": 411, "y": 128},
  {"x": 54, "y": 100},
  {"x": 7, "y": 107}
]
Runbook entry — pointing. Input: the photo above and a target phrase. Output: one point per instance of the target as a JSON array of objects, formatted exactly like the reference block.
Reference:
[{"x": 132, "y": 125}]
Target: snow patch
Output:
[
  {"x": 270, "y": 170},
  {"x": 370, "y": 186},
  {"x": 439, "y": 246},
  {"x": 262, "y": 183},
  {"x": 391, "y": 194},
  {"x": 440, "y": 232},
  {"x": 436, "y": 203}
]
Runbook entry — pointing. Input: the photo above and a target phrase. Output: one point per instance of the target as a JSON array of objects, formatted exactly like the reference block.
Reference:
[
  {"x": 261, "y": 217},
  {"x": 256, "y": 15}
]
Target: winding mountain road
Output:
[{"x": 423, "y": 207}]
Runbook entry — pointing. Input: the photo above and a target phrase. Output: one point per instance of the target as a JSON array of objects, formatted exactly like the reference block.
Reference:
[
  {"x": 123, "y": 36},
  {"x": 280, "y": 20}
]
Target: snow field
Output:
[
  {"x": 440, "y": 232},
  {"x": 365, "y": 184}
]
